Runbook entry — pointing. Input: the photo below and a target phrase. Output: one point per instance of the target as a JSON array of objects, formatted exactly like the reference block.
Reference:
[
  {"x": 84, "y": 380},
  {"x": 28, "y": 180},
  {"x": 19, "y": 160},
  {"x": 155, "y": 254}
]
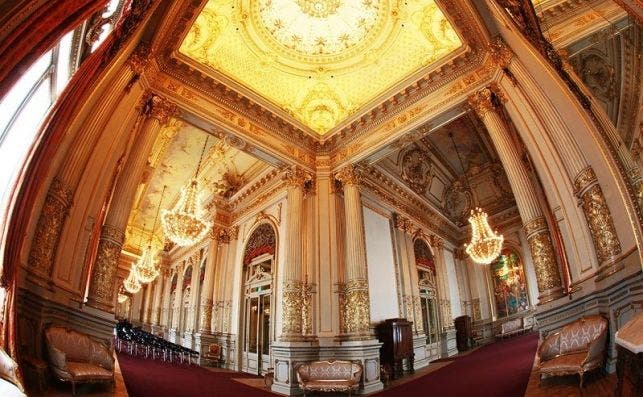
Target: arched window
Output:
[
  {"x": 24, "y": 107},
  {"x": 509, "y": 283}
]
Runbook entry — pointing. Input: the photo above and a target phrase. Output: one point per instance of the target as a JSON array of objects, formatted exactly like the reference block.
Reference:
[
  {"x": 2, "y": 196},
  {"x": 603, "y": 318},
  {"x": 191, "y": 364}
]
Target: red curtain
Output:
[{"x": 24, "y": 41}]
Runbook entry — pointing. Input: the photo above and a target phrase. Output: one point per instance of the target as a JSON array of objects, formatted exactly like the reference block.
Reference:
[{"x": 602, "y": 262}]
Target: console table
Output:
[{"x": 629, "y": 363}]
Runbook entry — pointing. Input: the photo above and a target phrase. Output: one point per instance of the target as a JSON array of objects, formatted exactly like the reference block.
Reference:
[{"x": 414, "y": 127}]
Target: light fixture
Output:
[
  {"x": 146, "y": 270},
  {"x": 122, "y": 298},
  {"x": 131, "y": 283},
  {"x": 485, "y": 245},
  {"x": 183, "y": 224}
]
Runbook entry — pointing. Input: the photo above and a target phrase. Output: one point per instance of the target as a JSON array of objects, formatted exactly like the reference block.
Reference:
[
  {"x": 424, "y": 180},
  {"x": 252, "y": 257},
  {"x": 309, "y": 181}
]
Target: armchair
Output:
[
  {"x": 579, "y": 347},
  {"x": 213, "y": 354},
  {"x": 74, "y": 357}
]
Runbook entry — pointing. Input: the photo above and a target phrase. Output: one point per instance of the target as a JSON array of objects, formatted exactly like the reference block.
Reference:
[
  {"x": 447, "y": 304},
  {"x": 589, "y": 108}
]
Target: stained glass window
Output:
[{"x": 509, "y": 284}]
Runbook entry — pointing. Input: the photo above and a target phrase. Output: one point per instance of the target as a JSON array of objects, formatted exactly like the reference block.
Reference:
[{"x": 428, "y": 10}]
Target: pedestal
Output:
[{"x": 287, "y": 356}]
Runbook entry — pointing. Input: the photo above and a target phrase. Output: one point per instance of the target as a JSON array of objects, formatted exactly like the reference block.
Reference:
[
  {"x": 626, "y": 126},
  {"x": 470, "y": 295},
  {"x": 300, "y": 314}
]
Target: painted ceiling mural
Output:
[
  {"x": 173, "y": 162},
  {"x": 319, "y": 61},
  {"x": 453, "y": 181}
]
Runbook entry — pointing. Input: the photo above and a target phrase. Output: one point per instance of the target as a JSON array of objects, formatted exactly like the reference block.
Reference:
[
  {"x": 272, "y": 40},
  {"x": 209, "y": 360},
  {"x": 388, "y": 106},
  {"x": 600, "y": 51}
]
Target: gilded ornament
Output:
[
  {"x": 584, "y": 180},
  {"x": 482, "y": 102},
  {"x": 306, "y": 309},
  {"x": 535, "y": 225},
  {"x": 501, "y": 54},
  {"x": 419, "y": 324},
  {"x": 160, "y": 108},
  {"x": 547, "y": 275},
  {"x": 349, "y": 175},
  {"x": 49, "y": 227},
  {"x": 205, "y": 316},
  {"x": 357, "y": 312},
  {"x": 601, "y": 225},
  {"x": 295, "y": 176},
  {"x": 292, "y": 302},
  {"x": 139, "y": 59},
  {"x": 101, "y": 289}
]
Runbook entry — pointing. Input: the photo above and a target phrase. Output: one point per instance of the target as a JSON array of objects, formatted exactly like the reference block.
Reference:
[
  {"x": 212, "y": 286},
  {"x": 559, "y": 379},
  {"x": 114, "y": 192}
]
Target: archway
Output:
[
  {"x": 427, "y": 283},
  {"x": 258, "y": 301},
  {"x": 509, "y": 284}
]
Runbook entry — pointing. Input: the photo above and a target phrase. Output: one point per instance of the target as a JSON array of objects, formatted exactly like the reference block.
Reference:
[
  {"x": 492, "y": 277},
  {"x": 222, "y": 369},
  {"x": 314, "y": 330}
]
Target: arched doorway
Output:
[
  {"x": 428, "y": 297},
  {"x": 257, "y": 324}
]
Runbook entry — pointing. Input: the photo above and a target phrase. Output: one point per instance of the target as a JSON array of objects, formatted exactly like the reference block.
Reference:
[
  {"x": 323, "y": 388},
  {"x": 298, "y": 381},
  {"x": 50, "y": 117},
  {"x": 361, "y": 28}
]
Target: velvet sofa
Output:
[
  {"x": 10, "y": 384},
  {"x": 579, "y": 347},
  {"x": 76, "y": 358},
  {"x": 329, "y": 376}
]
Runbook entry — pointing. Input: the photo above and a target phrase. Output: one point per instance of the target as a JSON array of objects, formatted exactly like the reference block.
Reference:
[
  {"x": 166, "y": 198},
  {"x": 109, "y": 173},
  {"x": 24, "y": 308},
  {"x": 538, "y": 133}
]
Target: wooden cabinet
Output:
[{"x": 396, "y": 334}]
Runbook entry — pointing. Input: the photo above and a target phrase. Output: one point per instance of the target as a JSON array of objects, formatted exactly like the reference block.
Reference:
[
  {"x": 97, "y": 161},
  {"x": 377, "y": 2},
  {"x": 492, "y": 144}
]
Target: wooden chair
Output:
[{"x": 213, "y": 355}]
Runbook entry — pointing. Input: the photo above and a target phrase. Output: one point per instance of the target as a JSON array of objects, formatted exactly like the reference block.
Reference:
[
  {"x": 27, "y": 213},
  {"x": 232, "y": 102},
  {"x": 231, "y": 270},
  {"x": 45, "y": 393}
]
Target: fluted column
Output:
[
  {"x": 147, "y": 304},
  {"x": 205, "y": 307},
  {"x": 487, "y": 104},
  {"x": 101, "y": 291},
  {"x": 159, "y": 286},
  {"x": 579, "y": 170},
  {"x": 292, "y": 287},
  {"x": 357, "y": 306},
  {"x": 443, "y": 285},
  {"x": 177, "y": 303},
  {"x": 59, "y": 197}
]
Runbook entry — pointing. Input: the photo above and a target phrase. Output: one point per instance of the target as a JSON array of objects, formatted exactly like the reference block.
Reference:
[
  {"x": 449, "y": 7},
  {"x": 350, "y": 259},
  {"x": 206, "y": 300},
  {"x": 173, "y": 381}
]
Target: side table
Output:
[{"x": 629, "y": 362}]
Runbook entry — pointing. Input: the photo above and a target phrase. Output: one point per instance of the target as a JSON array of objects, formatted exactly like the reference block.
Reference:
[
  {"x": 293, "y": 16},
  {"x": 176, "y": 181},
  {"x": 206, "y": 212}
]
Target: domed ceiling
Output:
[{"x": 319, "y": 61}]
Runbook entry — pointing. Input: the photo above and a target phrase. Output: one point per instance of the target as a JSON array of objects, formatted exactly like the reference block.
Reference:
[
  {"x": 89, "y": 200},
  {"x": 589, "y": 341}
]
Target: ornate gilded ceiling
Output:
[
  {"x": 319, "y": 61},
  {"x": 173, "y": 162}
]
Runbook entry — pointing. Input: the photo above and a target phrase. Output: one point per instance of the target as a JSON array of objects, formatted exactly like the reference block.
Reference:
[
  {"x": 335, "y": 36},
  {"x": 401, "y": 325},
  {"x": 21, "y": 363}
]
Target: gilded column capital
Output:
[
  {"x": 402, "y": 223},
  {"x": 295, "y": 176},
  {"x": 349, "y": 175},
  {"x": 436, "y": 242},
  {"x": 228, "y": 234},
  {"x": 139, "y": 59},
  {"x": 486, "y": 100},
  {"x": 159, "y": 108},
  {"x": 501, "y": 54}
]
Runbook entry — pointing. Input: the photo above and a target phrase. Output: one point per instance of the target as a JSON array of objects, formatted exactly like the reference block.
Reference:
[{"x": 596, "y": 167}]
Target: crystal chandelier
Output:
[
  {"x": 485, "y": 244},
  {"x": 146, "y": 270},
  {"x": 183, "y": 224},
  {"x": 131, "y": 283},
  {"x": 122, "y": 298}
]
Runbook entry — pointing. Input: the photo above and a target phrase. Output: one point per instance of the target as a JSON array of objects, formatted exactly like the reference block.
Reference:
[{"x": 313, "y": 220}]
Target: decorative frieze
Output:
[{"x": 101, "y": 288}]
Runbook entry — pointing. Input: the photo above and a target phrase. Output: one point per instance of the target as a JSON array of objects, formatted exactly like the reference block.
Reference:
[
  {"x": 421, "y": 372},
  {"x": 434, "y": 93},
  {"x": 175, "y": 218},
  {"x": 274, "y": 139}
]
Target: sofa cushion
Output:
[
  {"x": 80, "y": 371},
  {"x": 8, "y": 389},
  {"x": 330, "y": 385},
  {"x": 77, "y": 346},
  {"x": 566, "y": 363}
]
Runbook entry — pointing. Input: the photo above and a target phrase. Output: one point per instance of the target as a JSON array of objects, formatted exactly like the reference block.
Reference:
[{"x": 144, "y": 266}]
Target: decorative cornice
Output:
[{"x": 349, "y": 175}]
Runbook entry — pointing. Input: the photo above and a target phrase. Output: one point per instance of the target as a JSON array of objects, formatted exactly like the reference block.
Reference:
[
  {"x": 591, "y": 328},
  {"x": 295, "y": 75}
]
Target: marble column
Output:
[
  {"x": 147, "y": 304},
  {"x": 205, "y": 307},
  {"x": 59, "y": 197},
  {"x": 487, "y": 104},
  {"x": 177, "y": 304},
  {"x": 101, "y": 290},
  {"x": 292, "y": 297},
  {"x": 357, "y": 315},
  {"x": 159, "y": 285},
  {"x": 586, "y": 187}
]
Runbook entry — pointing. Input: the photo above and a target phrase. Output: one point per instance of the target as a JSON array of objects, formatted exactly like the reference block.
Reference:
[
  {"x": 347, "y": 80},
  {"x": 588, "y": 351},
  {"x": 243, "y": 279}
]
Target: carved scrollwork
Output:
[
  {"x": 416, "y": 169},
  {"x": 357, "y": 315},
  {"x": 292, "y": 302}
]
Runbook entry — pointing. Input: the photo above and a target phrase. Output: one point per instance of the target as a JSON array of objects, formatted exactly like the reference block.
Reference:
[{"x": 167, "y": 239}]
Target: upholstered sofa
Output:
[
  {"x": 579, "y": 347},
  {"x": 329, "y": 376},
  {"x": 10, "y": 384},
  {"x": 74, "y": 357}
]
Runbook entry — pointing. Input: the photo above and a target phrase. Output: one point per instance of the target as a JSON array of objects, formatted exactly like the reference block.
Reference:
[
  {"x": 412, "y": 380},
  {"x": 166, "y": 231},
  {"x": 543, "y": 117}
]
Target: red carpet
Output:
[
  {"x": 157, "y": 379},
  {"x": 500, "y": 369}
]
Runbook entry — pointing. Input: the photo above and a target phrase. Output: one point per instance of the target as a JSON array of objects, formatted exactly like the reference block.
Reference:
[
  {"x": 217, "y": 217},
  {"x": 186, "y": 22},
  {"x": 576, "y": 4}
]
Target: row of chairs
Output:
[{"x": 137, "y": 341}]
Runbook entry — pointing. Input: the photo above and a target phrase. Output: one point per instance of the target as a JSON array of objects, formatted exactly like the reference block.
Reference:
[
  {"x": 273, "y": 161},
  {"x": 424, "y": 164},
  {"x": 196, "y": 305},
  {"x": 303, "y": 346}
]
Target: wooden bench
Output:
[{"x": 329, "y": 376}]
